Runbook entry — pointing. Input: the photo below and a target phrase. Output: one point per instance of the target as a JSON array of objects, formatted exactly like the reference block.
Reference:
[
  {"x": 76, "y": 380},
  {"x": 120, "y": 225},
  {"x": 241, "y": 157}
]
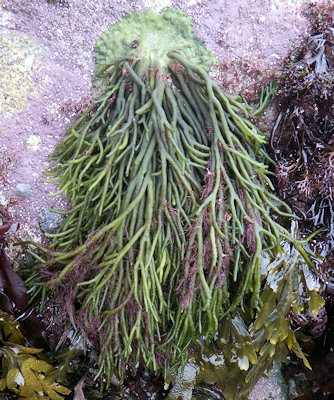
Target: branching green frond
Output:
[{"x": 173, "y": 218}]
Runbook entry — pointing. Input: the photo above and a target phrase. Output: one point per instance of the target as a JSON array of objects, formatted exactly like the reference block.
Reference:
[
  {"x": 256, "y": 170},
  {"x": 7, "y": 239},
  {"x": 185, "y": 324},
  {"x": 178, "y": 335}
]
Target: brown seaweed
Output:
[
  {"x": 302, "y": 141},
  {"x": 302, "y": 144},
  {"x": 14, "y": 298}
]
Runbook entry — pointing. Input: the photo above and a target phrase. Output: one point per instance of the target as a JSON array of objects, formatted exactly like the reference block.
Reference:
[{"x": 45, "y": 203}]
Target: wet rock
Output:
[
  {"x": 184, "y": 382},
  {"x": 298, "y": 386},
  {"x": 271, "y": 388},
  {"x": 23, "y": 189},
  {"x": 49, "y": 221}
]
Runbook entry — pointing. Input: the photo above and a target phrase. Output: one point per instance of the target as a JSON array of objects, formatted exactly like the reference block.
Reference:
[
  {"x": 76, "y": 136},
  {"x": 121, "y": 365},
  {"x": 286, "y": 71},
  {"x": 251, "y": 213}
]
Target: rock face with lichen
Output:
[{"x": 21, "y": 59}]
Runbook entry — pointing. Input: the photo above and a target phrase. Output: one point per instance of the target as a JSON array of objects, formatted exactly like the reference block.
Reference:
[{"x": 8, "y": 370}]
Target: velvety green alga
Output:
[{"x": 174, "y": 229}]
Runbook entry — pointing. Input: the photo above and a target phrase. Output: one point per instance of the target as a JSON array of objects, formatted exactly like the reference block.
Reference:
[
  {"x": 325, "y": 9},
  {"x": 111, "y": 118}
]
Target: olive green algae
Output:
[{"x": 173, "y": 233}]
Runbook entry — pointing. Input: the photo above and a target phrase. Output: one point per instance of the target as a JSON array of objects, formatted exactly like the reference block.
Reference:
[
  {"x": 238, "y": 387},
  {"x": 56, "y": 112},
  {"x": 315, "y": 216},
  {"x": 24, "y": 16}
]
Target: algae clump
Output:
[
  {"x": 173, "y": 222},
  {"x": 151, "y": 36}
]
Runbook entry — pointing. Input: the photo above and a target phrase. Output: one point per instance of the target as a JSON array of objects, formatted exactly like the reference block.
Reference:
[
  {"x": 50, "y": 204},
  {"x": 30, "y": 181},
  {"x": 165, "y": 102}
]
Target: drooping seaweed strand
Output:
[{"x": 171, "y": 214}]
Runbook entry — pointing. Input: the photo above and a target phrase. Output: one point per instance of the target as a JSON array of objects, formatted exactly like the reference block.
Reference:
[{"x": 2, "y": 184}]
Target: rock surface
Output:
[
  {"x": 46, "y": 54},
  {"x": 271, "y": 388}
]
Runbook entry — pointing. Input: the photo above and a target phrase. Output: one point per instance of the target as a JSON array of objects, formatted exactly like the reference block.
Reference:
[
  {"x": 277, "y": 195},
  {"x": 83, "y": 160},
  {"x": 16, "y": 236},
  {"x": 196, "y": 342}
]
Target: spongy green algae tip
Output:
[{"x": 151, "y": 35}]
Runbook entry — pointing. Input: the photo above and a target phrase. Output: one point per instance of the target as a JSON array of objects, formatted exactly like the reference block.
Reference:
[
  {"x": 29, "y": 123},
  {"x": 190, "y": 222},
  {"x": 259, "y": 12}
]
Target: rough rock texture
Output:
[
  {"x": 46, "y": 63},
  {"x": 271, "y": 388},
  {"x": 47, "y": 54}
]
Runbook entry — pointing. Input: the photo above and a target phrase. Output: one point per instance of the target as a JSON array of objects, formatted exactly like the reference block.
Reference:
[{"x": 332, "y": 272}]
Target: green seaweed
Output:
[
  {"x": 150, "y": 36},
  {"x": 174, "y": 227}
]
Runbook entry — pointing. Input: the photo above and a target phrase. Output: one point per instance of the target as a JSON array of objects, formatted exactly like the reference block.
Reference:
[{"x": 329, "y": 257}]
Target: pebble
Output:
[
  {"x": 49, "y": 221},
  {"x": 23, "y": 189}
]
